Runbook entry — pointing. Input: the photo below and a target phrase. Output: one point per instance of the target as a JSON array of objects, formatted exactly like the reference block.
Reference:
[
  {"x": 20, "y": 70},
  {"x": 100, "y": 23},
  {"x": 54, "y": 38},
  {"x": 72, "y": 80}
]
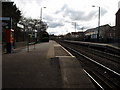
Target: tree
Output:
[{"x": 10, "y": 10}]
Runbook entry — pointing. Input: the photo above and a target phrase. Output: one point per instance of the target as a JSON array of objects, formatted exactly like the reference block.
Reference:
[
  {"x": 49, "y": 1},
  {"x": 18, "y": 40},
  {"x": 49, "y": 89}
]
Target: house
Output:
[
  {"x": 111, "y": 33},
  {"x": 118, "y": 25},
  {"x": 105, "y": 32},
  {"x": 75, "y": 36},
  {"x": 68, "y": 36},
  {"x": 91, "y": 33}
]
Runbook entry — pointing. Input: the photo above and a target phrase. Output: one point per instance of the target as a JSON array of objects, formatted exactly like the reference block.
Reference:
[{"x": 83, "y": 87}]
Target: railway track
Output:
[
  {"x": 107, "y": 59},
  {"x": 101, "y": 71},
  {"x": 97, "y": 46}
]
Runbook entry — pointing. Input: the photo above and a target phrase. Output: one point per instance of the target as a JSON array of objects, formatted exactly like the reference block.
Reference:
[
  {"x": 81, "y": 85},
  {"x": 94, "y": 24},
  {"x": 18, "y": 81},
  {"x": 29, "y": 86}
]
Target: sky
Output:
[{"x": 61, "y": 15}]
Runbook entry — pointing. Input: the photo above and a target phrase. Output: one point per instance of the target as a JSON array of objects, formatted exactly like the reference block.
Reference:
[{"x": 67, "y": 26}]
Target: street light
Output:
[
  {"x": 40, "y": 23},
  {"x": 75, "y": 25},
  {"x": 98, "y": 22},
  {"x": 41, "y": 13},
  {"x": 41, "y": 16}
]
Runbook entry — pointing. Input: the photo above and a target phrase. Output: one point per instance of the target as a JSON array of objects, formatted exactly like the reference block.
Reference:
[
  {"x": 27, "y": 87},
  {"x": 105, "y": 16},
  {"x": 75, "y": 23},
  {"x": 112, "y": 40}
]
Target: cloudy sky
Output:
[{"x": 61, "y": 15}]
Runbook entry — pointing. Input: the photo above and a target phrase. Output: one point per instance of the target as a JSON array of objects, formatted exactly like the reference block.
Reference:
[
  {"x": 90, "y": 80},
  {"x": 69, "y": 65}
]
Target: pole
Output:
[
  {"x": 40, "y": 24},
  {"x": 41, "y": 14},
  {"x": 75, "y": 26},
  {"x": 98, "y": 22},
  {"x": 98, "y": 25}
]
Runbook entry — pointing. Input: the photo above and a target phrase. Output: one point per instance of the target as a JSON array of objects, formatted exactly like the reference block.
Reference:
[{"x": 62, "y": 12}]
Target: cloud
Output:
[
  {"x": 103, "y": 11},
  {"x": 49, "y": 18},
  {"x": 55, "y": 24},
  {"x": 82, "y": 27},
  {"x": 60, "y": 14},
  {"x": 56, "y": 31},
  {"x": 22, "y": 2},
  {"x": 79, "y": 15},
  {"x": 53, "y": 21},
  {"x": 62, "y": 9},
  {"x": 69, "y": 15},
  {"x": 82, "y": 16}
]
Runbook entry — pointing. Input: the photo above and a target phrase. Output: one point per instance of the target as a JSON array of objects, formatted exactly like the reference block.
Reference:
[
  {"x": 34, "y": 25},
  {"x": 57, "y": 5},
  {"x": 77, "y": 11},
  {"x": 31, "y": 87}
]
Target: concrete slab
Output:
[
  {"x": 73, "y": 74},
  {"x": 33, "y": 69},
  {"x": 69, "y": 62},
  {"x": 60, "y": 52},
  {"x": 46, "y": 66}
]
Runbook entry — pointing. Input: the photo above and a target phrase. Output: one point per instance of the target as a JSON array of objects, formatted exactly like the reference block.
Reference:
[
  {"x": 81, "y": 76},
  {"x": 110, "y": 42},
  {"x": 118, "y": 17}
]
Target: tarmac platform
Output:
[{"x": 46, "y": 65}]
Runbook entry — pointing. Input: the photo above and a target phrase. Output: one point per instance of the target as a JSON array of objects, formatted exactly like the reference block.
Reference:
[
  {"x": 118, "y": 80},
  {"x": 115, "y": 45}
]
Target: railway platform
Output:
[
  {"x": 111, "y": 48},
  {"x": 46, "y": 65}
]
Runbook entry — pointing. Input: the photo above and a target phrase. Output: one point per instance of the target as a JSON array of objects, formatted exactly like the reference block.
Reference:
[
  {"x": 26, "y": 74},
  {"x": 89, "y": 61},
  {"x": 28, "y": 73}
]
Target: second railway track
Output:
[{"x": 104, "y": 70}]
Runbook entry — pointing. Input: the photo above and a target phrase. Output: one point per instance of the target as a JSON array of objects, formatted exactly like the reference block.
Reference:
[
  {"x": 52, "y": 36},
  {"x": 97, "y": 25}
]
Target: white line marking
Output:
[
  {"x": 95, "y": 62},
  {"x": 64, "y": 56},
  {"x": 93, "y": 79},
  {"x": 68, "y": 52},
  {"x": 57, "y": 45}
]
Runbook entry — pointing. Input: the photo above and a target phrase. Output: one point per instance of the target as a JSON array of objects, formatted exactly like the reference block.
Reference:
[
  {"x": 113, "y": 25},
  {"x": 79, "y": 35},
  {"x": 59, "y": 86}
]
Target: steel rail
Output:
[
  {"x": 94, "y": 61},
  {"x": 93, "y": 79}
]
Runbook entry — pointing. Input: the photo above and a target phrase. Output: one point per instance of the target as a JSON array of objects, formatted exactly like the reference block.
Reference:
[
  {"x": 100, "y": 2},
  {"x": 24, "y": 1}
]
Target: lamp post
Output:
[
  {"x": 98, "y": 22},
  {"x": 41, "y": 16},
  {"x": 75, "y": 25},
  {"x": 40, "y": 23},
  {"x": 41, "y": 13}
]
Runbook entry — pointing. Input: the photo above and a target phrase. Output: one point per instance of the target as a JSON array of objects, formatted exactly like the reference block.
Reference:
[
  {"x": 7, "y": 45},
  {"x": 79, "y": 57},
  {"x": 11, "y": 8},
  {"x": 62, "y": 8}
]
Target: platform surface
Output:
[{"x": 48, "y": 65}]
